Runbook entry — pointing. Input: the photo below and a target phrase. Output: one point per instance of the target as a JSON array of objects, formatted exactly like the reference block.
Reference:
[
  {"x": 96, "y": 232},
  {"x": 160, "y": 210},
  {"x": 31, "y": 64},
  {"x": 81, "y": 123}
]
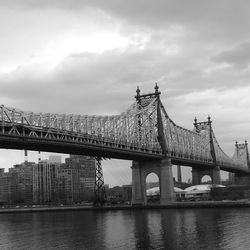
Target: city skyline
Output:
[
  {"x": 33, "y": 156},
  {"x": 85, "y": 57},
  {"x": 49, "y": 181}
]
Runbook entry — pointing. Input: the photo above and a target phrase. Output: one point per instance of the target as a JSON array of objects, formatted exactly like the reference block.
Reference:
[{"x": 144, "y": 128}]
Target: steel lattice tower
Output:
[{"x": 100, "y": 194}]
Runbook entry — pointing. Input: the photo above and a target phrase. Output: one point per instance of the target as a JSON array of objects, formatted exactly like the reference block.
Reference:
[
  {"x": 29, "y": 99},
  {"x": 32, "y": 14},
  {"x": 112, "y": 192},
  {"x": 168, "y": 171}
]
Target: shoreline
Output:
[{"x": 174, "y": 205}]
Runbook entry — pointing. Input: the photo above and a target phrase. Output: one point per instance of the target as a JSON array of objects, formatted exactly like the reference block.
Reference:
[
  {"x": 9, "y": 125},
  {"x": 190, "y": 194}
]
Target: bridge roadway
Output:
[
  {"x": 143, "y": 133},
  {"x": 96, "y": 146}
]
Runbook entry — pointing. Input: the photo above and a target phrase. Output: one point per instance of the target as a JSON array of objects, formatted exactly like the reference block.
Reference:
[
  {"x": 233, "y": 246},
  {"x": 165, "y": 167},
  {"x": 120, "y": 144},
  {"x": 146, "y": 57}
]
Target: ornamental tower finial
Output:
[
  {"x": 209, "y": 119},
  {"x": 195, "y": 122},
  {"x": 156, "y": 88},
  {"x": 138, "y": 92}
]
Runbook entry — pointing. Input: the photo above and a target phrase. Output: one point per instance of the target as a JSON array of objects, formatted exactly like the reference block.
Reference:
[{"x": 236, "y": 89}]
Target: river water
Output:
[{"x": 223, "y": 228}]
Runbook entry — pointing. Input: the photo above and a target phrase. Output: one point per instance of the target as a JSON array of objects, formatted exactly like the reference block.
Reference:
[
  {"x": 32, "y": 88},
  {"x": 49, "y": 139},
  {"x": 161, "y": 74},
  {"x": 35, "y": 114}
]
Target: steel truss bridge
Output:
[{"x": 143, "y": 132}]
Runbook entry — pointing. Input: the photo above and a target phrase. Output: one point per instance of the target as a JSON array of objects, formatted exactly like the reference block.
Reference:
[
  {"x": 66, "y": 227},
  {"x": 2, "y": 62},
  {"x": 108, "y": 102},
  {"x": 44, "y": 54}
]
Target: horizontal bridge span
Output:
[
  {"x": 52, "y": 145},
  {"x": 91, "y": 147},
  {"x": 202, "y": 165},
  {"x": 143, "y": 132}
]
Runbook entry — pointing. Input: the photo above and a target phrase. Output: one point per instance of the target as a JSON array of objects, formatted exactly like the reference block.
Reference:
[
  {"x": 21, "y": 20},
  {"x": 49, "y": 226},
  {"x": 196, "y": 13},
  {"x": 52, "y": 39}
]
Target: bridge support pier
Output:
[
  {"x": 196, "y": 176},
  {"x": 214, "y": 173},
  {"x": 166, "y": 182},
  {"x": 137, "y": 190},
  {"x": 141, "y": 169}
]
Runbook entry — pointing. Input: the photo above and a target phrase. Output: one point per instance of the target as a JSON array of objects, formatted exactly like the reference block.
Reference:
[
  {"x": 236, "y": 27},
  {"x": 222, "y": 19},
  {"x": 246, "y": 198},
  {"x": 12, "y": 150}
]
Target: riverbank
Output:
[{"x": 174, "y": 205}]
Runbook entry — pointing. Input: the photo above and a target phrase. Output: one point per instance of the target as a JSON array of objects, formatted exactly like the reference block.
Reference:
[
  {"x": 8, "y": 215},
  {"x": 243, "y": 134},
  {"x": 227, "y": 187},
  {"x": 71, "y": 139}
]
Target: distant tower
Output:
[
  {"x": 25, "y": 156},
  {"x": 241, "y": 154},
  {"x": 39, "y": 156},
  {"x": 179, "y": 174}
]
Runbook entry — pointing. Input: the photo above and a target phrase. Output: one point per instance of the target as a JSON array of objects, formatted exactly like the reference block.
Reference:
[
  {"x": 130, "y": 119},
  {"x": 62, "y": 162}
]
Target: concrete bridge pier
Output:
[
  {"x": 137, "y": 189},
  {"x": 196, "y": 176},
  {"x": 214, "y": 173},
  {"x": 166, "y": 182},
  {"x": 140, "y": 171}
]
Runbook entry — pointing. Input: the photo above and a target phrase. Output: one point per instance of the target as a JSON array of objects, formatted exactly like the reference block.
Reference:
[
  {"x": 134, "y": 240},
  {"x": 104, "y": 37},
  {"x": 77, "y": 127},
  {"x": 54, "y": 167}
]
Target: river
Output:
[{"x": 214, "y": 228}]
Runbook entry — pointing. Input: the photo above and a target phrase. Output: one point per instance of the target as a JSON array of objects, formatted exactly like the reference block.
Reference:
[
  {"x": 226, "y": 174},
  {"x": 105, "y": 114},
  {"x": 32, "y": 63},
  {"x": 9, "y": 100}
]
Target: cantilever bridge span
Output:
[{"x": 143, "y": 132}]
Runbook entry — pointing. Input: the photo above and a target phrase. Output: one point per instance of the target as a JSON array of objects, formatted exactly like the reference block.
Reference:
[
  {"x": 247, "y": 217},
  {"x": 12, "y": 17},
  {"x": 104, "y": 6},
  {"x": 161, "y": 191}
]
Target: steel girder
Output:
[{"x": 136, "y": 129}]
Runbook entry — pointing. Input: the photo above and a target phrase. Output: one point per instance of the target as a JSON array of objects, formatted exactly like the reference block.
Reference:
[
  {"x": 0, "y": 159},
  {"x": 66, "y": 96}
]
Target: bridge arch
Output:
[
  {"x": 207, "y": 178},
  {"x": 152, "y": 187},
  {"x": 213, "y": 174},
  {"x": 147, "y": 170},
  {"x": 152, "y": 177},
  {"x": 140, "y": 171}
]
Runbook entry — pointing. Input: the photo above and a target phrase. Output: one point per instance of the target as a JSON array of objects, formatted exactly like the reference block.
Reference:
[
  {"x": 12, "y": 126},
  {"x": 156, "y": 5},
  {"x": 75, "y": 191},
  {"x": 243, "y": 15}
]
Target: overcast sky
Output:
[{"x": 88, "y": 57}]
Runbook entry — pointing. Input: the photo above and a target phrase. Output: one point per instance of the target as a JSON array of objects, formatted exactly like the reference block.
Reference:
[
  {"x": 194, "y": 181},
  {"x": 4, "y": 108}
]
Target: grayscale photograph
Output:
[{"x": 124, "y": 124}]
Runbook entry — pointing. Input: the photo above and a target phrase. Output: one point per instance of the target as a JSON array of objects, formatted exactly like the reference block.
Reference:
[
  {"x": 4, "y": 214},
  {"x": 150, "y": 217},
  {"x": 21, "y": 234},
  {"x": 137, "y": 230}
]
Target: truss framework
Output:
[
  {"x": 144, "y": 126},
  {"x": 99, "y": 191}
]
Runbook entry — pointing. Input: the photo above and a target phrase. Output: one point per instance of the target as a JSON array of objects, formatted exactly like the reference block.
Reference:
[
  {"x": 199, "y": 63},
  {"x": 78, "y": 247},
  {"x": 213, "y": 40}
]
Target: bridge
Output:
[{"x": 144, "y": 133}]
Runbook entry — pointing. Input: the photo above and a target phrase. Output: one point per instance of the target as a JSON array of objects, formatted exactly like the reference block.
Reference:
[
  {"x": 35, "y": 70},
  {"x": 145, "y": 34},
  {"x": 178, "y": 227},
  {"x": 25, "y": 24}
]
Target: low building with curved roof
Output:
[
  {"x": 155, "y": 191},
  {"x": 199, "y": 191}
]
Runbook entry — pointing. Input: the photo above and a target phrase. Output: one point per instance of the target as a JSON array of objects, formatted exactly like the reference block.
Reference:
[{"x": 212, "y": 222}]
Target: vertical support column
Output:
[
  {"x": 179, "y": 179},
  {"x": 216, "y": 175},
  {"x": 137, "y": 192},
  {"x": 231, "y": 178},
  {"x": 195, "y": 176},
  {"x": 25, "y": 156},
  {"x": 166, "y": 182},
  {"x": 100, "y": 194}
]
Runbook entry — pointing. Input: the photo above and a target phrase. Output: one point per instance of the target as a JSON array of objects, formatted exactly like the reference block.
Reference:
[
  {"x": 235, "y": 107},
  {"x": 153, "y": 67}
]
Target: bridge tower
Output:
[
  {"x": 214, "y": 173},
  {"x": 99, "y": 192},
  {"x": 162, "y": 168},
  {"x": 241, "y": 154}
]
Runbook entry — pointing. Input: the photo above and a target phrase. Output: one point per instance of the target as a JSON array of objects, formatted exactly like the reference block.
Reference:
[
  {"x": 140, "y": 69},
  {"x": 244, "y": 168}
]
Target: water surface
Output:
[{"x": 136, "y": 229}]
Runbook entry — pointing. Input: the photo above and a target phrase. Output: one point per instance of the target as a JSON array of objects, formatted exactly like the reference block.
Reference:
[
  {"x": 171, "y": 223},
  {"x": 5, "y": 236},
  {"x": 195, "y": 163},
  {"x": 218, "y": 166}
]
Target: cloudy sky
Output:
[{"x": 88, "y": 57}]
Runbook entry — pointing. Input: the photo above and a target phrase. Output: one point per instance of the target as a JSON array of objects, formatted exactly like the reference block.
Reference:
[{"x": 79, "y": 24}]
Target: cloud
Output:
[
  {"x": 219, "y": 18},
  {"x": 87, "y": 57},
  {"x": 108, "y": 77},
  {"x": 238, "y": 57}
]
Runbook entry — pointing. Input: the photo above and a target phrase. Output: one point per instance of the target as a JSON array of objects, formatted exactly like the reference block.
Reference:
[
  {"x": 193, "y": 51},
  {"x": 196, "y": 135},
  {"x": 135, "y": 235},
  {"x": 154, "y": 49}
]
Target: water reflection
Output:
[{"x": 135, "y": 229}]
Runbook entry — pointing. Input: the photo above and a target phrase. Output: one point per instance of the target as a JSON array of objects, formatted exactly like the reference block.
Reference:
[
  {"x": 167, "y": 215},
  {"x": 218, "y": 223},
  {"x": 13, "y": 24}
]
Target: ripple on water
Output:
[{"x": 138, "y": 229}]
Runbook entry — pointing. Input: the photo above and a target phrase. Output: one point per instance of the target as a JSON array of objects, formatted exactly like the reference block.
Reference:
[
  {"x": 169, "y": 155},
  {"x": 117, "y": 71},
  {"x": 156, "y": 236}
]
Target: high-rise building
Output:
[
  {"x": 6, "y": 187},
  {"x": 42, "y": 182},
  {"x": 49, "y": 181},
  {"x": 77, "y": 179},
  {"x": 46, "y": 182},
  {"x": 66, "y": 185},
  {"x": 16, "y": 185},
  {"x": 55, "y": 169},
  {"x": 24, "y": 185}
]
